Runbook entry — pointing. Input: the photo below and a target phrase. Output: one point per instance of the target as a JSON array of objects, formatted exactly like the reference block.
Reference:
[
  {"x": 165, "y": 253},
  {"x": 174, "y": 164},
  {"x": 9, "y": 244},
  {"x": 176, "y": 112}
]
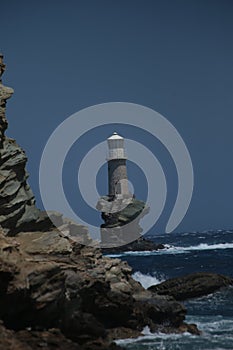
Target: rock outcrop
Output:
[
  {"x": 121, "y": 220},
  {"x": 192, "y": 286},
  {"x": 18, "y": 211},
  {"x": 121, "y": 230},
  {"x": 73, "y": 288},
  {"x": 45, "y": 340},
  {"x": 117, "y": 214},
  {"x": 17, "y": 203}
]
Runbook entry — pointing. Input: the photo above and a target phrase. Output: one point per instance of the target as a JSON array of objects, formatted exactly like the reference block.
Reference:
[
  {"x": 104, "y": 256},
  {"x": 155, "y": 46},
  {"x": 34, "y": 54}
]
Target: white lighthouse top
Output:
[
  {"x": 116, "y": 148},
  {"x": 115, "y": 136}
]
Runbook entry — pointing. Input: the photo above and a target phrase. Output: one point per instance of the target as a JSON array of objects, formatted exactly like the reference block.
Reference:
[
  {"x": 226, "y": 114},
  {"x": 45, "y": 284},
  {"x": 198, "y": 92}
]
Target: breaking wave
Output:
[
  {"x": 147, "y": 280},
  {"x": 176, "y": 249}
]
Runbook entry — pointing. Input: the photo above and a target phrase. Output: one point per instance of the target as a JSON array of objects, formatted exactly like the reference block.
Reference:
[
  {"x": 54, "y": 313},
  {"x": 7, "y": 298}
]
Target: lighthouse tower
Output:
[{"x": 117, "y": 172}]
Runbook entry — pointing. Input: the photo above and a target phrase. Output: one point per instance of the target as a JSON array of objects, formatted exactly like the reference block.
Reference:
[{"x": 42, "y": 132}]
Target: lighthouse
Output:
[
  {"x": 117, "y": 171},
  {"x": 120, "y": 210}
]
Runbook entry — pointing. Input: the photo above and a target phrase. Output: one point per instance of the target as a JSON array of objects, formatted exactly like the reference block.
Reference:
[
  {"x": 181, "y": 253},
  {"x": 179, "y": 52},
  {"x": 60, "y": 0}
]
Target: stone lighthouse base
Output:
[{"x": 120, "y": 226}]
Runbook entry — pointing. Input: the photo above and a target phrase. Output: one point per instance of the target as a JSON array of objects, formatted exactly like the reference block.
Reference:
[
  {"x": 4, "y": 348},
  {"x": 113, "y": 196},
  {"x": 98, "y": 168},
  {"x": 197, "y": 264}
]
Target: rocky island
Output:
[{"x": 56, "y": 293}]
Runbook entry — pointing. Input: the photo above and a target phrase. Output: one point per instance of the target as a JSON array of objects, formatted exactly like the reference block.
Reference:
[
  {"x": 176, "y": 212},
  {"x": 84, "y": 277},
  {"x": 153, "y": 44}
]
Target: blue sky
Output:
[{"x": 174, "y": 56}]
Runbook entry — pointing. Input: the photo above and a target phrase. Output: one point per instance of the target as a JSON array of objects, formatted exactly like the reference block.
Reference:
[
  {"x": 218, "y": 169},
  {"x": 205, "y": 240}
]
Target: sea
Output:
[{"x": 188, "y": 252}]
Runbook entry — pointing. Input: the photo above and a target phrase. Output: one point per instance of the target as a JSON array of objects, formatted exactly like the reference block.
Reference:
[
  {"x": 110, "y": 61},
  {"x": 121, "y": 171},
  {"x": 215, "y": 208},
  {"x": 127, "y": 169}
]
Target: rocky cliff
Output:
[
  {"x": 54, "y": 292},
  {"x": 17, "y": 203},
  {"x": 18, "y": 211}
]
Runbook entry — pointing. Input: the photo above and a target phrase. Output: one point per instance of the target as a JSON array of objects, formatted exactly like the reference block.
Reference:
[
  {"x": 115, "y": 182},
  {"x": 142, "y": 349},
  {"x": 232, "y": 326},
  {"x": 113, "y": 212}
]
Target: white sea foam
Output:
[
  {"x": 201, "y": 246},
  {"x": 137, "y": 253},
  {"x": 213, "y": 324},
  {"x": 147, "y": 280},
  {"x": 216, "y": 334},
  {"x": 211, "y": 337},
  {"x": 176, "y": 250},
  {"x": 155, "y": 338},
  {"x": 146, "y": 331}
]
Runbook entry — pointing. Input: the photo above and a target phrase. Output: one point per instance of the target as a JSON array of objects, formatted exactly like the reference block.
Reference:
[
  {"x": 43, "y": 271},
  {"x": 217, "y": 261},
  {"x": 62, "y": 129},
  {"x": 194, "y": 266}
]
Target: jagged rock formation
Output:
[
  {"x": 17, "y": 203},
  {"x": 127, "y": 213},
  {"x": 192, "y": 286},
  {"x": 121, "y": 230},
  {"x": 18, "y": 211}
]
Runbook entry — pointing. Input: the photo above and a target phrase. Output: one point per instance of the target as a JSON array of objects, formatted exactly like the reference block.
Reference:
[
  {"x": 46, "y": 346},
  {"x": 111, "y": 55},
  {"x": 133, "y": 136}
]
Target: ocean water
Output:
[{"x": 210, "y": 251}]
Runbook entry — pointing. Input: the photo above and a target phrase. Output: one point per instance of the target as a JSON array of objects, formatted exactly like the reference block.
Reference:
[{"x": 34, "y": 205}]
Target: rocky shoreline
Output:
[
  {"x": 73, "y": 297},
  {"x": 56, "y": 293},
  {"x": 89, "y": 298}
]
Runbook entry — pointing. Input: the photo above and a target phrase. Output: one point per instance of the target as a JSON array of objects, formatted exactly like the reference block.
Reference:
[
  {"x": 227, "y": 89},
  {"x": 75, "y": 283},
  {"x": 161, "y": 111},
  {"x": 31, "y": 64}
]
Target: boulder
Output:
[{"x": 192, "y": 285}]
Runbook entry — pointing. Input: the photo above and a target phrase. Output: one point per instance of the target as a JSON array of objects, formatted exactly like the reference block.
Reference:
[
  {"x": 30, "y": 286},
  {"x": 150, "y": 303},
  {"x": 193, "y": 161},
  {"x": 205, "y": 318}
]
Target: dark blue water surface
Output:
[{"x": 210, "y": 251}]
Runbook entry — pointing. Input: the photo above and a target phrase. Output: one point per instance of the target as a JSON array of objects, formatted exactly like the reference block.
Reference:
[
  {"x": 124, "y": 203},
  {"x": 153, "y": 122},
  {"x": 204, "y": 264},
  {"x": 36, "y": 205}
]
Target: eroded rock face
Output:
[{"x": 17, "y": 203}]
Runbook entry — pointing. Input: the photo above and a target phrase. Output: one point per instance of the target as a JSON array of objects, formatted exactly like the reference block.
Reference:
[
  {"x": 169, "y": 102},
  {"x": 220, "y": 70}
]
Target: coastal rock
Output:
[
  {"x": 34, "y": 340},
  {"x": 121, "y": 220},
  {"x": 192, "y": 285},
  {"x": 141, "y": 244},
  {"x": 17, "y": 203},
  {"x": 47, "y": 340},
  {"x": 69, "y": 288},
  {"x": 114, "y": 218}
]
